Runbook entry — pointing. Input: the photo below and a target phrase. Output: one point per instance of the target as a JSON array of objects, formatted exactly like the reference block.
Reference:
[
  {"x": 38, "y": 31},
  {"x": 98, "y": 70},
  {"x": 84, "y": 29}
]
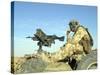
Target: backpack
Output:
[
  {"x": 91, "y": 39},
  {"x": 87, "y": 44}
]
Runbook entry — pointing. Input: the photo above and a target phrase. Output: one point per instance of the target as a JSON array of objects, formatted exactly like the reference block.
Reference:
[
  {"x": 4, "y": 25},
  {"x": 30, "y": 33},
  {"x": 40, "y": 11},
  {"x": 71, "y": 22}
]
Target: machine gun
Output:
[{"x": 44, "y": 40}]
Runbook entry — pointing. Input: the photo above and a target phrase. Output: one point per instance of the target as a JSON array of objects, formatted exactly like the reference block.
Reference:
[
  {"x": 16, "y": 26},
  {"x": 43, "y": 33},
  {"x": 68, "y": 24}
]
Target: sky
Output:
[{"x": 52, "y": 19}]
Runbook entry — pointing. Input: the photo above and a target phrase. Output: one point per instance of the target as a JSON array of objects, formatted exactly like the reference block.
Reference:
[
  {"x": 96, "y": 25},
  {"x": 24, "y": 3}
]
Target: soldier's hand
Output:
[{"x": 68, "y": 32}]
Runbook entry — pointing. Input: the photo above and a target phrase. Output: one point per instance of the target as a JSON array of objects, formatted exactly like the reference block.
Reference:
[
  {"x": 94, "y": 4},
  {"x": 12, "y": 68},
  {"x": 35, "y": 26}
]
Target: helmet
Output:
[{"x": 73, "y": 24}]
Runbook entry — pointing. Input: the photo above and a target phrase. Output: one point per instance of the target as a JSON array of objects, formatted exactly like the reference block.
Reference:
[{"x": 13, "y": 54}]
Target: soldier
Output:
[{"x": 81, "y": 42}]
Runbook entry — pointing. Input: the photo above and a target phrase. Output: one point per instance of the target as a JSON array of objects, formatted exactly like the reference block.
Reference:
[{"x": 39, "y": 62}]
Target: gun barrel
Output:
[
  {"x": 28, "y": 37},
  {"x": 54, "y": 37},
  {"x": 61, "y": 38}
]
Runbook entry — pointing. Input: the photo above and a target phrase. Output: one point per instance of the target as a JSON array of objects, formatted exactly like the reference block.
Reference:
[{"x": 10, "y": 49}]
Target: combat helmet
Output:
[{"x": 73, "y": 24}]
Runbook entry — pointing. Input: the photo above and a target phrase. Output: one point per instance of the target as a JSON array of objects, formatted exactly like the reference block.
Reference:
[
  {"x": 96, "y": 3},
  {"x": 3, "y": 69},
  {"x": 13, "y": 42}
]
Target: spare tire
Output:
[{"x": 89, "y": 61}]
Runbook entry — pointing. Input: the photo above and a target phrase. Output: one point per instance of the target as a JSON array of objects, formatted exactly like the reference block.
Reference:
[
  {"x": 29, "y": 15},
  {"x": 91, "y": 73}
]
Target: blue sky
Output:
[{"x": 52, "y": 19}]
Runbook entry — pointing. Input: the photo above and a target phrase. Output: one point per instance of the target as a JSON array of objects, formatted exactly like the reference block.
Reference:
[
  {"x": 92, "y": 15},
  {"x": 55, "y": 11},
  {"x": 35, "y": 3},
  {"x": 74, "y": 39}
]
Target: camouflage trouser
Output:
[{"x": 69, "y": 50}]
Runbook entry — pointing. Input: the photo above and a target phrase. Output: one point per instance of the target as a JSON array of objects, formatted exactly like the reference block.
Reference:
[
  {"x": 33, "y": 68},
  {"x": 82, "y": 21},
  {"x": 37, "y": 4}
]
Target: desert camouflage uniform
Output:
[{"x": 73, "y": 47}]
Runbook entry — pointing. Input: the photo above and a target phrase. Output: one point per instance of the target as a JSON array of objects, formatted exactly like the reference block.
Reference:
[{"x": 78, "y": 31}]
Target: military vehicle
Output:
[
  {"x": 35, "y": 62},
  {"x": 88, "y": 61}
]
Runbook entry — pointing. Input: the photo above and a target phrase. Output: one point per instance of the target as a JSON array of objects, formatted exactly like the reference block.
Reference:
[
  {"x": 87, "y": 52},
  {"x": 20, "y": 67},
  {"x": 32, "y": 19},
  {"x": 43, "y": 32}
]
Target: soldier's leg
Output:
[
  {"x": 68, "y": 50},
  {"x": 64, "y": 52}
]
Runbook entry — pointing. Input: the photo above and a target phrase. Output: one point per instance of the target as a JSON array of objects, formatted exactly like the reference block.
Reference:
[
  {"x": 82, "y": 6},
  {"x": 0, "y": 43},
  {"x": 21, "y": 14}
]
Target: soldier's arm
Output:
[
  {"x": 68, "y": 36},
  {"x": 78, "y": 35}
]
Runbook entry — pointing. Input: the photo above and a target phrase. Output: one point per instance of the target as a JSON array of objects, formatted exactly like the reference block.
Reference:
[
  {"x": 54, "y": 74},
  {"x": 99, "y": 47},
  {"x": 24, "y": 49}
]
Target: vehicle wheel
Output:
[{"x": 88, "y": 62}]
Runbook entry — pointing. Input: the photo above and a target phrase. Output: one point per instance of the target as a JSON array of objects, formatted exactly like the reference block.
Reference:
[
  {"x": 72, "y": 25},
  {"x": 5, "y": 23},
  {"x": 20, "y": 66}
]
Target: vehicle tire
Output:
[{"x": 89, "y": 61}]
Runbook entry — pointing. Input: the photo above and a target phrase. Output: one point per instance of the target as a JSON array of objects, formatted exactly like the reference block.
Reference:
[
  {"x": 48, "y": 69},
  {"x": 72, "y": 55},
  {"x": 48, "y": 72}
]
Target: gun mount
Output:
[{"x": 44, "y": 40}]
